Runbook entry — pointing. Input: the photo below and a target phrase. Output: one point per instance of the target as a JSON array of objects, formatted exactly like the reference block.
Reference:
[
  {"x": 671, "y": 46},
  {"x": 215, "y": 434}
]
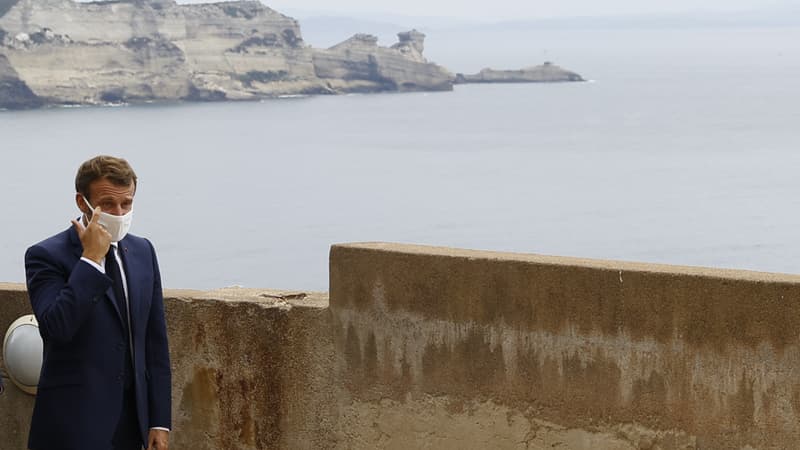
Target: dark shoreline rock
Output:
[
  {"x": 14, "y": 93},
  {"x": 545, "y": 73}
]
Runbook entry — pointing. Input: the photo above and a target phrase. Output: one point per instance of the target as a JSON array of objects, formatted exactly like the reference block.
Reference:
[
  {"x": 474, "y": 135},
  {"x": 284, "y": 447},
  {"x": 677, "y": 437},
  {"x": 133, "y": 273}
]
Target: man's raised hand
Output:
[{"x": 94, "y": 238}]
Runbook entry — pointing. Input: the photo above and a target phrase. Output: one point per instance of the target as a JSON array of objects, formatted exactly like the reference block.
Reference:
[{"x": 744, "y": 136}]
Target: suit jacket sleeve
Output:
[
  {"x": 157, "y": 354},
  {"x": 62, "y": 297}
]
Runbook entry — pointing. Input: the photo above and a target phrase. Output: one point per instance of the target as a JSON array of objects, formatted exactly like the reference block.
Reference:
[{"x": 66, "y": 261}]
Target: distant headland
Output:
[
  {"x": 61, "y": 52},
  {"x": 546, "y": 73}
]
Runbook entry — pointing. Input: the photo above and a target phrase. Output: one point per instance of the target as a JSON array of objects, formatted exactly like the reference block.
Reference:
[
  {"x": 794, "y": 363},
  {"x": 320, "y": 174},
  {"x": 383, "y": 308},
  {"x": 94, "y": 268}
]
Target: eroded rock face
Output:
[
  {"x": 138, "y": 50},
  {"x": 14, "y": 93},
  {"x": 360, "y": 64},
  {"x": 411, "y": 42},
  {"x": 545, "y": 73}
]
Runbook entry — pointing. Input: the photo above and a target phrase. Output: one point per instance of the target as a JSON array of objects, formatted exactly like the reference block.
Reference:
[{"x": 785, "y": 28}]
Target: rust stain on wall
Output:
[
  {"x": 352, "y": 350},
  {"x": 465, "y": 368},
  {"x": 531, "y": 374},
  {"x": 199, "y": 337},
  {"x": 650, "y": 396},
  {"x": 743, "y": 403},
  {"x": 593, "y": 386},
  {"x": 234, "y": 395},
  {"x": 370, "y": 359},
  {"x": 200, "y": 404},
  {"x": 246, "y": 426}
]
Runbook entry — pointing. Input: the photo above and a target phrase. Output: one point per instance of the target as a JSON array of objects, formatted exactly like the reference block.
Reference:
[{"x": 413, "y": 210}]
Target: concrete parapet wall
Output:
[
  {"x": 424, "y": 347},
  {"x": 242, "y": 363},
  {"x": 450, "y": 348}
]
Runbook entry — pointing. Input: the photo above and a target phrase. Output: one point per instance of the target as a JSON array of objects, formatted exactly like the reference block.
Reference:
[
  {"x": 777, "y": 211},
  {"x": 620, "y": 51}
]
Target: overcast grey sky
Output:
[{"x": 511, "y": 9}]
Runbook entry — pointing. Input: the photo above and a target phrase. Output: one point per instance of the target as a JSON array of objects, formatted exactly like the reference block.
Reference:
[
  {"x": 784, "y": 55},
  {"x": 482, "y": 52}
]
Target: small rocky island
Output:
[
  {"x": 546, "y": 73},
  {"x": 62, "y": 52}
]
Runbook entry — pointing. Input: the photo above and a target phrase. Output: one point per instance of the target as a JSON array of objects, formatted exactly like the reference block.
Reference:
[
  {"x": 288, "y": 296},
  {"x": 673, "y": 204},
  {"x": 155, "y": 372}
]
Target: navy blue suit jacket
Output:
[{"x": 80, "y": 388}]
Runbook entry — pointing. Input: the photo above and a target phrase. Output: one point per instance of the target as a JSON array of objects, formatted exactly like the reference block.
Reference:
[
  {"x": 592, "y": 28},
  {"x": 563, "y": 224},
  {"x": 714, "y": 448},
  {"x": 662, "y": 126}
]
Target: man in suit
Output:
[{"x": 96, "y": 292}]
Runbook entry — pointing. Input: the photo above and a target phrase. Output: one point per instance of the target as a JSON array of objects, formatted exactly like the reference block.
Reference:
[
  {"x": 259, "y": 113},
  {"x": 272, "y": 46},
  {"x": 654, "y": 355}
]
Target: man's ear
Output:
[{"x": 79, "y": 201}]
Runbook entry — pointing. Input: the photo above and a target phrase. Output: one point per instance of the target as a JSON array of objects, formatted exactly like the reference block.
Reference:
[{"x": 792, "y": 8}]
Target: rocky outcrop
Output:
[
  {"x": 359, "y": 64},
  {"x": 546, "y": 73},
  {"x": 14, "y": 93},
  {"x": 141, "y": 50}
]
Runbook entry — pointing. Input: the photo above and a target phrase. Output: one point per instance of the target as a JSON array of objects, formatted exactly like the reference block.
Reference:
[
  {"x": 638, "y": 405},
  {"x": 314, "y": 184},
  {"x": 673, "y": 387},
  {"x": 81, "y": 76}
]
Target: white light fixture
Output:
[{"x": 22, "y": 353}]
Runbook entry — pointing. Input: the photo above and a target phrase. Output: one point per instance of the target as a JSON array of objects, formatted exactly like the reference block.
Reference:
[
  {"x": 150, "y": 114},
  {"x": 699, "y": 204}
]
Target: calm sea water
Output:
[{"x": 684, "y": 149}]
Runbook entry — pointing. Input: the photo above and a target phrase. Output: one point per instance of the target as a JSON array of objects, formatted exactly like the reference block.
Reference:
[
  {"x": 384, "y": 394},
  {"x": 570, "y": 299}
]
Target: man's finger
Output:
[
  {"x": 95, "y": 215},
  {"x": 78, "y": 227}
]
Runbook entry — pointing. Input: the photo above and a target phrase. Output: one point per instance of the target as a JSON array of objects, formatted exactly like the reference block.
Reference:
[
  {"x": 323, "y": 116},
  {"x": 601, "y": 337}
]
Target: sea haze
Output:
[{"x": 683, "y": 149}]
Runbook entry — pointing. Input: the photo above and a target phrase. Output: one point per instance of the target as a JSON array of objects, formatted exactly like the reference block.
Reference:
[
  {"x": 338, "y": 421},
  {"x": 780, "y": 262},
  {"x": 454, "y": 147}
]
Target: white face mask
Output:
[{"x": 117, "y": 226}]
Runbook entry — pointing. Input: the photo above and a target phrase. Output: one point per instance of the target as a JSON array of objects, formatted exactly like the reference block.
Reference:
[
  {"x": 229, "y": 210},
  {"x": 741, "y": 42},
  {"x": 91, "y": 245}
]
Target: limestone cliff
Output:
[
  {"x": 112, "y": 51},
  {"x": 545, "y": 73},
  {"x": 14, "y": 93},
  {"x": 359, "y": 64}
]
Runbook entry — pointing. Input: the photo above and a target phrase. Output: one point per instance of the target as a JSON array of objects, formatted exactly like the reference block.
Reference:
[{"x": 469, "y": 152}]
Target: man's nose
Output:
[{"x": 116, "y": 210}]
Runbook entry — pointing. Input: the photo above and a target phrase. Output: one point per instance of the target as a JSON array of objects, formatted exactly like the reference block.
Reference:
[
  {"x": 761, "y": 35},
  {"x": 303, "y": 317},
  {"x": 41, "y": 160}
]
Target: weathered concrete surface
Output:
[
  {"x": 424, "y": 347},
  {"x": 248, "y": 370},
  {"x": 618, "y": 355}
]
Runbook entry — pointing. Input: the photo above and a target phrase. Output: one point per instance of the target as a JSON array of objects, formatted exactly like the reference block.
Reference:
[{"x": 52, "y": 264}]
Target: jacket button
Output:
[
  {"x": 95, "y": 299},
  {"x": 121, "y": 346}
]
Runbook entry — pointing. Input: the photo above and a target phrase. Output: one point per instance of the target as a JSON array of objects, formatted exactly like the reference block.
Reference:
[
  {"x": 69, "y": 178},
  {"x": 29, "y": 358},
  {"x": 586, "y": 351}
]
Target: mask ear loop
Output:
[
  {"x": 91, "y": 208},
  {"x": 87, "y": 202}
]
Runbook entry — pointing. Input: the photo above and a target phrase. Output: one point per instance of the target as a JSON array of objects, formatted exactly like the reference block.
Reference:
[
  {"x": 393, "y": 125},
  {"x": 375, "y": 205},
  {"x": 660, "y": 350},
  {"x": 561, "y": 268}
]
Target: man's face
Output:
[{"x": 111, "y": 198}]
